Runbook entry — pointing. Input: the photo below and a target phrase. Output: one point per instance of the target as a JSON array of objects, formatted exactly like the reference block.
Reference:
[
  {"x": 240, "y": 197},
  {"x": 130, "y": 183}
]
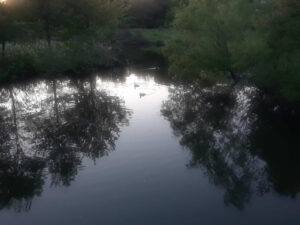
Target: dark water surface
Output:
[{"x": 137, "y": 150}]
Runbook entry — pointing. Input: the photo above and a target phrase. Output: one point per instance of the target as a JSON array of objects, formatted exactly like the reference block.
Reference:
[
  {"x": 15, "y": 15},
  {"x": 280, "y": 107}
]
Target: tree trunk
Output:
[
  {"x": 15, "y": 125},
  {"x": 92, "y": 93},
  {"x": 55, "y": 102},
  {"x": 48, "y": 34}
]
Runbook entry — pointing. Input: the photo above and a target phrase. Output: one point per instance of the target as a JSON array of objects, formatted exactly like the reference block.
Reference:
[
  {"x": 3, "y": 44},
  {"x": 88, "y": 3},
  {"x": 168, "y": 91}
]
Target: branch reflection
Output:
[
  {"x": 50, "y": 127},
  {"x": 237, "y": 146}
]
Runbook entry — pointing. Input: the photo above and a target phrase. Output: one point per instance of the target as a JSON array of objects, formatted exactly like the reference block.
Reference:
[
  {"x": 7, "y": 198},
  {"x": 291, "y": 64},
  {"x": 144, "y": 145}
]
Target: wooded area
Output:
[{"x": 211, "y": 39}]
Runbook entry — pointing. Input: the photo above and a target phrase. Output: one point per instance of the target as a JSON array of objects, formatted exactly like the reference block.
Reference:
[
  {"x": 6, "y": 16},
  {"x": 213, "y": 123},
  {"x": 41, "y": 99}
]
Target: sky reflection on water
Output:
[{"x": 133, "y": 150}]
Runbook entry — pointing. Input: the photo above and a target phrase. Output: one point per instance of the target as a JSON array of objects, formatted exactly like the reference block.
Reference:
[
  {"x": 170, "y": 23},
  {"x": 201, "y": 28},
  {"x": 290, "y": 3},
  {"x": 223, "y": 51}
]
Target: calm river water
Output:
[{"x": 130, "y": 148}]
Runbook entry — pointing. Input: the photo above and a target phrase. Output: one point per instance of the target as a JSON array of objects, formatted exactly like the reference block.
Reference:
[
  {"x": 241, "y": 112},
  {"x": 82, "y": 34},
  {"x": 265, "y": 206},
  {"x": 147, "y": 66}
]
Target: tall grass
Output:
[{"x": 23, "y": 59}]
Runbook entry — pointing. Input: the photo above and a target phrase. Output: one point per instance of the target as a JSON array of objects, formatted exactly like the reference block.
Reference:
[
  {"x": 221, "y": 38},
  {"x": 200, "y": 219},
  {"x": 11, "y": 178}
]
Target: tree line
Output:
[
  {"x": 54, "y": 36},
  {"x": 56, "y": 17}
]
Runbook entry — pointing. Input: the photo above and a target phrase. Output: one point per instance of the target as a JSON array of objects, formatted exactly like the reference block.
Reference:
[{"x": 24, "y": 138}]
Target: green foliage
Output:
[
  {"x": 78, "y": 35},
  {"x": 279, "y": 71},
  {"x": 71, "y": 57},
  {"x": 212, "y": 39},
  {"x": 62, "y": 57},
  {"x": 211, "y": 34},
  {"x": 236, "y": 37},
  {"x": 154, "y": 35},
  {"x": 89, "y": 16}
]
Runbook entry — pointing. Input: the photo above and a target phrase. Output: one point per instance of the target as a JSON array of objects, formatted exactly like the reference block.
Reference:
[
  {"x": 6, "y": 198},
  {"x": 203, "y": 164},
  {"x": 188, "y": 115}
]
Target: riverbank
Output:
[
  {"x": 136, "y": 47},
  {"x": 31, "y": 59},
  {"x": 38, "y": 59}
]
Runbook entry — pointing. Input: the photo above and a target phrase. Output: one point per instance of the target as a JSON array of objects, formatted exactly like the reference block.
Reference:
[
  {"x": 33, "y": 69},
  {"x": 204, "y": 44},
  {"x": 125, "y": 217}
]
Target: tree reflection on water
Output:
[
  {"x": 237, "y": 146},
  {"x": 49, "y": 127}
]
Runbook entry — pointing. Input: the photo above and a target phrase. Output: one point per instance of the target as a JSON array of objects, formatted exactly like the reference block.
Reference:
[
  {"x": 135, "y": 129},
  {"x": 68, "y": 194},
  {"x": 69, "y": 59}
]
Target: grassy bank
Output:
[
  {"x": 37, "y": 58},
  {"x": 156, "y": 37}
]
